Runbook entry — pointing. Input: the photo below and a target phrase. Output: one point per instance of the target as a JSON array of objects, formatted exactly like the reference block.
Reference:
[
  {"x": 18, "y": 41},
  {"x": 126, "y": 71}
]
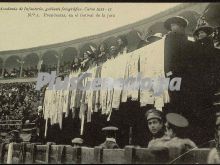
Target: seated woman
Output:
[
  {"x": 113, "y": 52},
  {"x": 88, "y": 61},
  {"x": 122, "y": 44},
  {"x": 102, "y": 54}
]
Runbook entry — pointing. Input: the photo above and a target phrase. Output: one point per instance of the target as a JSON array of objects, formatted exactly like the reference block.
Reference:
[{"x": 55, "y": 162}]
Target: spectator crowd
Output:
[
  {"x": 18, "y": 100},
  {"x": 27, "y": 72}
]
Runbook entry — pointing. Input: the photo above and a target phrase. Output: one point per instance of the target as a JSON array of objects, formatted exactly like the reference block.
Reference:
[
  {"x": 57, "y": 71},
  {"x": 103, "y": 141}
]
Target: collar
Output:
[{"x": 111, "y": 139}]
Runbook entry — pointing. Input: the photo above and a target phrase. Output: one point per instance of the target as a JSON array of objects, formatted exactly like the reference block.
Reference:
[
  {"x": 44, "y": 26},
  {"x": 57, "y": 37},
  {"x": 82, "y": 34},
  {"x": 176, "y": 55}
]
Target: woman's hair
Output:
[
  {"x": 105, "y": 47},
  {"x": 124, "y": 40}
]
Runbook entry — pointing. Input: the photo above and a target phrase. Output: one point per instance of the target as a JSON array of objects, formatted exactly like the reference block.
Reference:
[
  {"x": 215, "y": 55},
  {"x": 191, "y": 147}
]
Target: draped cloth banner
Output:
[
  {"x": 152, "y": 66},
  {"x": 147, "y": 61}
]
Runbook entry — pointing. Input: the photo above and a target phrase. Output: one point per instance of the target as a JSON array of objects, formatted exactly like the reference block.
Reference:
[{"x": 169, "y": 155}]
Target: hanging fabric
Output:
[
  {"x": 121, "y": 62},
  {"x": 132, "y": 73}
]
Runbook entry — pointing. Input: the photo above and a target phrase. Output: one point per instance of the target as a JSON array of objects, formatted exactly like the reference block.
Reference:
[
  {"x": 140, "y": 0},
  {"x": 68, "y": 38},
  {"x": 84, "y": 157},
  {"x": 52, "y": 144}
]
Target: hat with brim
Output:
[
  {"x": 153, "y": 38},
  {"x": 154, "y": 114},
  {"x": 110, "y": 128},
  {"x": 177, "y": 120},
  {"x": 77, "y": 141},
  {"x": 177, "y": 20},
  {"x": 207, "y": 29},
  {"x": 28, "y": 130}
]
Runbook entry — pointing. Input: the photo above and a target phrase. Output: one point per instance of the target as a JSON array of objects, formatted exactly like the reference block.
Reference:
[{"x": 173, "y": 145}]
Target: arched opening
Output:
[
  {"x": 12, "y": 67},
  {"x": 133, "y": 39},
  {"x": 91, "y": 47},
  {"x": 111, "y": 46},
  {"x": 30, "y": 65},
  {"x": 49, "y": 61},
  {"x": 68, "y": 56},
  {"x": 111, "y": 41}
]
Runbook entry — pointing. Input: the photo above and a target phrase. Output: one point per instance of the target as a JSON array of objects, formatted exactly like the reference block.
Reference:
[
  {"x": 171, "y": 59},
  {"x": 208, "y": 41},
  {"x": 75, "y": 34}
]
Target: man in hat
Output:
[
  {"x": 155, "y": 123},
  {"x": 176, "y": 24},
  {"x": 174, "y": 134},
  {"x": 77, "y": 142},
  {"x": 174, "y": 42},
  {"x": 110, "y": 142},
  {"x": 214, "y": 154},
  {"x": 40, "y": 124},
  {"x": 177, "y": 59}
]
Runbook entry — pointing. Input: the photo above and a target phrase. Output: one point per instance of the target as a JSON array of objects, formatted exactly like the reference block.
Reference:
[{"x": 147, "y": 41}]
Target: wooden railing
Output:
[
  {"x": 10, "y": 125},
  {"x": 17, "y": 80},
  {"x": 41, "y": 154}
]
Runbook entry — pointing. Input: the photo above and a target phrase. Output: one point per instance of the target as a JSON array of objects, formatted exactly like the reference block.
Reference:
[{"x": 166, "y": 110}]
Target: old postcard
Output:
[{"x": 109, "y": 83}]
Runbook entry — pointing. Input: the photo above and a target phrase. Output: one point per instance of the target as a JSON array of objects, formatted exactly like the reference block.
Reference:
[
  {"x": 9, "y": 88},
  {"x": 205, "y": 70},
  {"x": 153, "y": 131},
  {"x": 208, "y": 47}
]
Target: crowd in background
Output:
[
  {"x": 14, "y": 73},
  {"x": 48, "y": 68},
  {"x": 30, "y": 71},
  {"x": 95, "y": 57},
  {"x": 18, "y": 100}
]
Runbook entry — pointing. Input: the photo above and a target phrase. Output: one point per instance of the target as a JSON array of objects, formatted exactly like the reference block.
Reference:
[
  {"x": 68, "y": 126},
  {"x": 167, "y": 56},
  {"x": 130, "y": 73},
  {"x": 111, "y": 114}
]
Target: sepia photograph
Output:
[{"x": 109, "y": 83}]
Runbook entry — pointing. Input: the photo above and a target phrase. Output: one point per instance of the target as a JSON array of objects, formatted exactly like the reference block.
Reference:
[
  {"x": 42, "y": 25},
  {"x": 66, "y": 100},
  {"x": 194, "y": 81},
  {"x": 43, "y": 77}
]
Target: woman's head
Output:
[
  {"x": 121, "y": 41},
  {"x": 76, "y": 60},
  {"x": 85, "y": 55},
  {"x": 102, "y": 47},
  {"x": 203, "y": 32}
]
